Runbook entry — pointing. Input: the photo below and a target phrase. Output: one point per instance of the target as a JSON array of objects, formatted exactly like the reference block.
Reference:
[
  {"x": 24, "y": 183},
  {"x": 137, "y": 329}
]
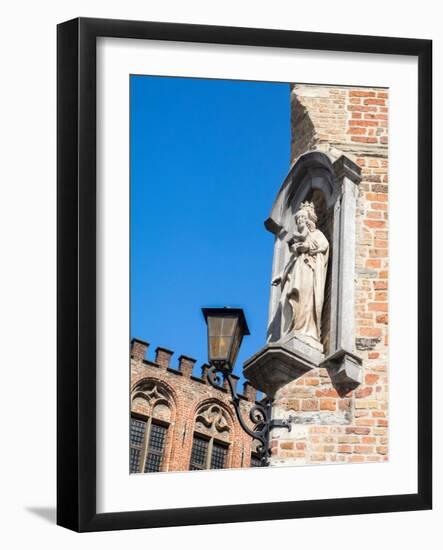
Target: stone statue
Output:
[{"x": 303, "y": 279}]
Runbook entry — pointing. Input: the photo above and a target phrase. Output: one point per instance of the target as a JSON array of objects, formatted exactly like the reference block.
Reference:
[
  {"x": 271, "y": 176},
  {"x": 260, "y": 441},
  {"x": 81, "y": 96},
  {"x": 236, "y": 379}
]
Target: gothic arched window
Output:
[
  {"x": 211, "y": 439},
  {"x": 150, "y": 420}
]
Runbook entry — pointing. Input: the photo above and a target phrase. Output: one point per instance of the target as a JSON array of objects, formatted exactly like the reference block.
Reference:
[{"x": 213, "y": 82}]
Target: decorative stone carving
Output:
[
  {"x": 155, "y": 397},
  {"x": 212, "y": 420},
  {"x": 311, "y": 311},
  {"x": 213, "y": 417}
]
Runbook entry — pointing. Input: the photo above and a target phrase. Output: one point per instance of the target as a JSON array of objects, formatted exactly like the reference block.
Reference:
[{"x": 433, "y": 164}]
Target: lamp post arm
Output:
[{"x": 259, "y": 414}]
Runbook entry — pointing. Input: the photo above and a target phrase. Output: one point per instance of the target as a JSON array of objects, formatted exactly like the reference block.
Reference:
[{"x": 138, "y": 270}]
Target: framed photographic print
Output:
[{"x": 244, "y": 274}]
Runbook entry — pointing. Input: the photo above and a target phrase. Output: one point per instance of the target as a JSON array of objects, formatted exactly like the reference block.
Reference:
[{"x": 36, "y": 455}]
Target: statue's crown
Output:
[
  {"x": 307, "y": 204},
  {"x": 309, "y": 208}
]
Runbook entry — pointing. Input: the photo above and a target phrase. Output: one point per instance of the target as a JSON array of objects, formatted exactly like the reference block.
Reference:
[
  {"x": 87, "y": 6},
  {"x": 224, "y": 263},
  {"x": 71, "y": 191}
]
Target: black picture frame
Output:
[{"x": 76, "y": 264}]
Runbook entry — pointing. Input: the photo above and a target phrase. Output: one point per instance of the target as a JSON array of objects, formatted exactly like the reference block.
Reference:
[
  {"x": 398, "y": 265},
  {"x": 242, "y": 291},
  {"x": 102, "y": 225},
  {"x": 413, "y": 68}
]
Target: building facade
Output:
[
  {"x": 330, "y": 425},
  {"x": 179, "y": 421}
]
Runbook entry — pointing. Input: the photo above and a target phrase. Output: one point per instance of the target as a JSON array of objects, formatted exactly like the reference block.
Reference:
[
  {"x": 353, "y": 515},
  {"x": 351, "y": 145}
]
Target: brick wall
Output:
[
  {"x": 186, "y": 394},
  {"x": 354, "y": 427}
]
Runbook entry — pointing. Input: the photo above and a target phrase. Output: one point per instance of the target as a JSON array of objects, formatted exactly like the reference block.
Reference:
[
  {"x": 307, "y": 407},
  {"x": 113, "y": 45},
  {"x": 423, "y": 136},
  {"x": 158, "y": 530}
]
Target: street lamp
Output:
[{"x": 226, "y": 328}]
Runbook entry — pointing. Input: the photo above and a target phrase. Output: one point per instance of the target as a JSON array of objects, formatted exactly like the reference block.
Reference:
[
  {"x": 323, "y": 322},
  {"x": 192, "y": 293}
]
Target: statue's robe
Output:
[{"x": 303, "y": 288}]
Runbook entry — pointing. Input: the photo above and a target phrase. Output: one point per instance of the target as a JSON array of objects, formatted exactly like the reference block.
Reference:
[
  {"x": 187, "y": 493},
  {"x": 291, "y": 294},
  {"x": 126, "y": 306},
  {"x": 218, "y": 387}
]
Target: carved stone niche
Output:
[{"x": 333, "y": 189}]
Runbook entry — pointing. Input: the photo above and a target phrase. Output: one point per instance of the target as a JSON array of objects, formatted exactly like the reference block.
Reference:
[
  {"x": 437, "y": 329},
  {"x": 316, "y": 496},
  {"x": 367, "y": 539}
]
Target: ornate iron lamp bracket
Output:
[{"x": 259, "y": 414}]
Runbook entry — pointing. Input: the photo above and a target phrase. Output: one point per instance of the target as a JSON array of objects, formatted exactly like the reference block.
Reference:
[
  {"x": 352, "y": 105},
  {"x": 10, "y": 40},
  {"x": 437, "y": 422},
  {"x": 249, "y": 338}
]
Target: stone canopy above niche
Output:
[
  {"x": 311, "y": 309},
  {"x": 312, "y": 171}
]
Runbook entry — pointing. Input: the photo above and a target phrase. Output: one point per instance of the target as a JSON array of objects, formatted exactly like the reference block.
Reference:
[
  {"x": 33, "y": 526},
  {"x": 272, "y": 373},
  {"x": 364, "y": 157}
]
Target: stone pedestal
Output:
[{"x": 279, "y": 363}]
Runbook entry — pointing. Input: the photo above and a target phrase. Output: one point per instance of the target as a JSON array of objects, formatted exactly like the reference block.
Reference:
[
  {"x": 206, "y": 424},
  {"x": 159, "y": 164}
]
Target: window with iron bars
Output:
[
  {"x": 147, "y": 445},
  {"x": 208, "y": 454}
]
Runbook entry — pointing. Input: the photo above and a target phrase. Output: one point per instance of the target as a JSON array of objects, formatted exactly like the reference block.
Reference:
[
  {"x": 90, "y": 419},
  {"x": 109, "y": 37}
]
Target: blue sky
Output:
[{"x": 207, "y": 159}]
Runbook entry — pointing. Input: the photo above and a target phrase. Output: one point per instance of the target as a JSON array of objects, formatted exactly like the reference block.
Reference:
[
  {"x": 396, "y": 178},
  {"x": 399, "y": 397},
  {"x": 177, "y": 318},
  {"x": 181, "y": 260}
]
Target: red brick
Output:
[
  {"x": 362, "y": 108},
  {"x": 365, "y": 422},
  {"x": 358, "y": 431},
  {"x": 361, "y": 93},
  {"x": 363, "y": 392},
  {"x": 356, "y": 130},
  {"x": 328, "y": 404},
  {"x": 364, "y": 123},
  {"x": 370, "y": 332},
  {"x": 309, "y": 405},
  {"x": 326, "y": 392},
  {"x": 371, "y": 101},
  {"x": 379, "y": 206},
  {"x": 293, "y": 404},
  {"x": 382, "y": 319},
  {"x": 319, "y": 429},
  {"x": 378, "y": 306},
  {"x": 377, "y": 197},
  {"x": 363, "y": 449},
  {"x": 375, "y": 223},
  {"x": 373, "y": 263},
  {"x": 356, "y": 458},
  {"x": 318, "y": 457},
  {"x": 361, "y": 139},
  {"x": 380, "y": 244},
  {"x": 378, "y": 253},
  {"x": 374, "y": 214}
]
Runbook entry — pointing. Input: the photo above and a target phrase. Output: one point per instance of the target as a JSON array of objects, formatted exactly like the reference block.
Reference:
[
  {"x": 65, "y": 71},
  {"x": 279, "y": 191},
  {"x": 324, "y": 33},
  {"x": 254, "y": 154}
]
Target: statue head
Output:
[{"x": 306, "y": 215}]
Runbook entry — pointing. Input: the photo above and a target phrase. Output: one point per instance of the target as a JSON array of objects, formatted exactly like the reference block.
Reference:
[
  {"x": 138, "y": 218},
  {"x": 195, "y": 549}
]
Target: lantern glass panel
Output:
[
  {"x": 237, "y": 339},
  {"x": 221, "y": 332}
]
